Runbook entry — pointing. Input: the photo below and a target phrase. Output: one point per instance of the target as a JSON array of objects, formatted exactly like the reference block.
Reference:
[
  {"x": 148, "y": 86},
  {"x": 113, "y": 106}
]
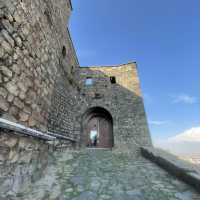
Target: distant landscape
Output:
[
  {"x": 192, "y": 159},
  {"x": 185, "y": 145}
]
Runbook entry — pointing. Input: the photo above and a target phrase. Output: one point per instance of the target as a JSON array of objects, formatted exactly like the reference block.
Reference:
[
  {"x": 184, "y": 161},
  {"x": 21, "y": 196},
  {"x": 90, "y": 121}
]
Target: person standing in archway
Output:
[{"x": 93, "y": 136}]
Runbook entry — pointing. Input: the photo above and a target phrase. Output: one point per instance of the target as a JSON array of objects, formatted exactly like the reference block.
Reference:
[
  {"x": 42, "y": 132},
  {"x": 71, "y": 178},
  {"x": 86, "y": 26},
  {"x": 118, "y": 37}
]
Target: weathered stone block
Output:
[
  {"x": 2, "y": 52},
  {"x": 12, "y": 88},
  {"x": 13, "y": 156},
  {"x": 17, "y": 18},
  {"x": 27, "y": 109},
  {"x": 1, "y": 80},
  {"x": 6, "y": 71},
  {"x": 18, "y": 41},
  {"x": 7, "y": 25},
  {"x": 10, "y": 98},
  {"x": 10, "y": 17},
  {"x": 13, "y": 111},
  {"x": 8, "y": 37},
  {"x": 6, "y": 46},
  {"x": 32, "y": 122},
  {"x": 3, "y": 104},
  {"x": 27, "y": 62},
  {"x": 26, "y": 30},
  {"x": 11, "y": 142},
  {"x": 3, "y": 92},
  {"x": 23, "y": 86},
  {"x": 23, "y": 116},
  {"x": 15, "y": 57},
  {"x": 18, "y": 103},
  {"x": 22, "y": 95},
  {"x": 31, "y": 97},
  {"x": 37, "y": 115},
  {"x": 16, "y": 69}
]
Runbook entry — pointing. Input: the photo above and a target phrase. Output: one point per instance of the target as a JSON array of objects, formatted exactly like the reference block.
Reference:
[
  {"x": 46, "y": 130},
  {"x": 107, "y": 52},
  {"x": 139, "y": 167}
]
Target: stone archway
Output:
[{"x": 100, "y": 119}]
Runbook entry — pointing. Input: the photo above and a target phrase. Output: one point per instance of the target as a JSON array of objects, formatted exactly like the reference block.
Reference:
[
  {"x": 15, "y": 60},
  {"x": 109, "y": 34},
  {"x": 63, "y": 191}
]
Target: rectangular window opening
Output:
[
  {"x": 113, "y": 79},
  {"x": 88, "y": 81}
]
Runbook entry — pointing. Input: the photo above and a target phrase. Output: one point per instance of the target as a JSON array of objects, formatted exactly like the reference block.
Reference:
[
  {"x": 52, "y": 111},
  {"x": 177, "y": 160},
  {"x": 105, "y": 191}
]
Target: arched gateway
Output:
[{"x": 101, "y": 120}]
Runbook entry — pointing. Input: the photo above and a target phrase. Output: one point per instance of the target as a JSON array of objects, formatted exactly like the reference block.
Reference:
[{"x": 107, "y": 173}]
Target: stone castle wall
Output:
[
  {"x": 37, "y": 63},
  {"x": 22, "y": 161},
  {"x": 122, "y": 99},
  {"x": 42, "y": 85}
]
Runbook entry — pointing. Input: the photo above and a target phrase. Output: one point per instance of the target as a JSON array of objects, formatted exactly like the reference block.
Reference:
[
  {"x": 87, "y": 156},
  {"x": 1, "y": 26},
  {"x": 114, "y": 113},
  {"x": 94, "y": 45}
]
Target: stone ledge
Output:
[{"x": 183, "y": 170}]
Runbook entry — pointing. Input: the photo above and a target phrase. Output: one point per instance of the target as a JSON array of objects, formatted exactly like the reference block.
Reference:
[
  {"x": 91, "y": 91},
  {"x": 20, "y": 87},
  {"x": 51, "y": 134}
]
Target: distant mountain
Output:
[{"x": 184, "y": 144}]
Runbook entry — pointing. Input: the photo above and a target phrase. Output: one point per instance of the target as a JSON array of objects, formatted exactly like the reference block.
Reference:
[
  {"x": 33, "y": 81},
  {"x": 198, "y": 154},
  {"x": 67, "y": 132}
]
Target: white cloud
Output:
[
  {"x": 158, "y": 123},
  {"x": 185, "y": 143},
  {"x": 191, "y": 135},
  {"x": 184, "y": 98}
]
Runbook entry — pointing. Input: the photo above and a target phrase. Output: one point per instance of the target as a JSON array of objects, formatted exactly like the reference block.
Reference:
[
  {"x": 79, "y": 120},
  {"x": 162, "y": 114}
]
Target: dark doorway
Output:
[{"x": 99, "y": 120}]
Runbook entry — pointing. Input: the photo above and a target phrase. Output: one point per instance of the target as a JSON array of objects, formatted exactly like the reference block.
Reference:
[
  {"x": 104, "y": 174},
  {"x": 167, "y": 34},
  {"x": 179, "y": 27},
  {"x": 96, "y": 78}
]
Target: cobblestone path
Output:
[{"x": 104, "y": 175}]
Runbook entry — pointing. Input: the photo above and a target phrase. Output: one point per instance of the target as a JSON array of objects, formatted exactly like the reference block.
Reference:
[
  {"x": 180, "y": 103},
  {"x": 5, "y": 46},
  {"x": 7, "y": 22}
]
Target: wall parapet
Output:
[
  {"x": 104, "y": 66},
  {"x": 181, "y": 169}
]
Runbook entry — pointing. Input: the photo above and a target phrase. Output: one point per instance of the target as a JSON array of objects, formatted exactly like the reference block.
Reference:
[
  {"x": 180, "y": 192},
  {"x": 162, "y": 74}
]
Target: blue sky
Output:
[{"x": 163, "y": 37}]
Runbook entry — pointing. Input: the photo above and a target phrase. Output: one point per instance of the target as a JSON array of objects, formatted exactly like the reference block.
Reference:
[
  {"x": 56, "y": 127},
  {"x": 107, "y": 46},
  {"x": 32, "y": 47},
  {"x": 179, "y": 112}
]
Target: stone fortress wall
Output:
[
  {"x": 42, "y": 85},
  {"x": 117, "y": 89},
  {"x": 37, "y": 63}
]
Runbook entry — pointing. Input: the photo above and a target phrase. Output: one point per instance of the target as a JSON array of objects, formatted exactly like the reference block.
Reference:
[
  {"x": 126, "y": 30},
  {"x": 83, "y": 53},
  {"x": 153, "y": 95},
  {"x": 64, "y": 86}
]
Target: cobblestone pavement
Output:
[{"x": 105, "y": 175}]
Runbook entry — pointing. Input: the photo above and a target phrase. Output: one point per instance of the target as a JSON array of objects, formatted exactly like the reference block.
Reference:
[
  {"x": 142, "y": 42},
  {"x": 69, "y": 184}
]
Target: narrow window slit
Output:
[{"x": 113, "y": 79}]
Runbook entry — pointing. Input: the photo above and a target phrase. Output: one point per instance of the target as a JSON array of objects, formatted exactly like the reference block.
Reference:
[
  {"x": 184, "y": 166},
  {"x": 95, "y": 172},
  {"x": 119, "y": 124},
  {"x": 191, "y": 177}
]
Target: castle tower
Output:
[{"x": 114, "y": 106}]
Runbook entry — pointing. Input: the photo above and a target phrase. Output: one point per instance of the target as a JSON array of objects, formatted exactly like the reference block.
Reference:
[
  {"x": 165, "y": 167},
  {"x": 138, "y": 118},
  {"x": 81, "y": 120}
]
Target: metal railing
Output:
[{"x": 25, "y": 131}]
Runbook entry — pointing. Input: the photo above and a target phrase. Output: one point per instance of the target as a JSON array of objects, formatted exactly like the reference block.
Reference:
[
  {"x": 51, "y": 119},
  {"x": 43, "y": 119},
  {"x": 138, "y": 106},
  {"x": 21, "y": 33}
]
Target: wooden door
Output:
[
  {"x": 105, "y": 133},
  {"x": 104, "y": 129}
]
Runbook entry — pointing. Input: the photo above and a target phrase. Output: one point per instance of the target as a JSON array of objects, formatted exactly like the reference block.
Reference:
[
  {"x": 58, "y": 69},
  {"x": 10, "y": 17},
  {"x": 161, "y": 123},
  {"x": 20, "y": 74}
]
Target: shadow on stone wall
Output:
[{"x": 125, "y": 105}]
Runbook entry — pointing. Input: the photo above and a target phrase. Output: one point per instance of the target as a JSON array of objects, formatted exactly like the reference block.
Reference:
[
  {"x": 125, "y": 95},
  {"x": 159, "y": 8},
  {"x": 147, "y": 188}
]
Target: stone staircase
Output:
[{"x": 99, "y": 174}]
